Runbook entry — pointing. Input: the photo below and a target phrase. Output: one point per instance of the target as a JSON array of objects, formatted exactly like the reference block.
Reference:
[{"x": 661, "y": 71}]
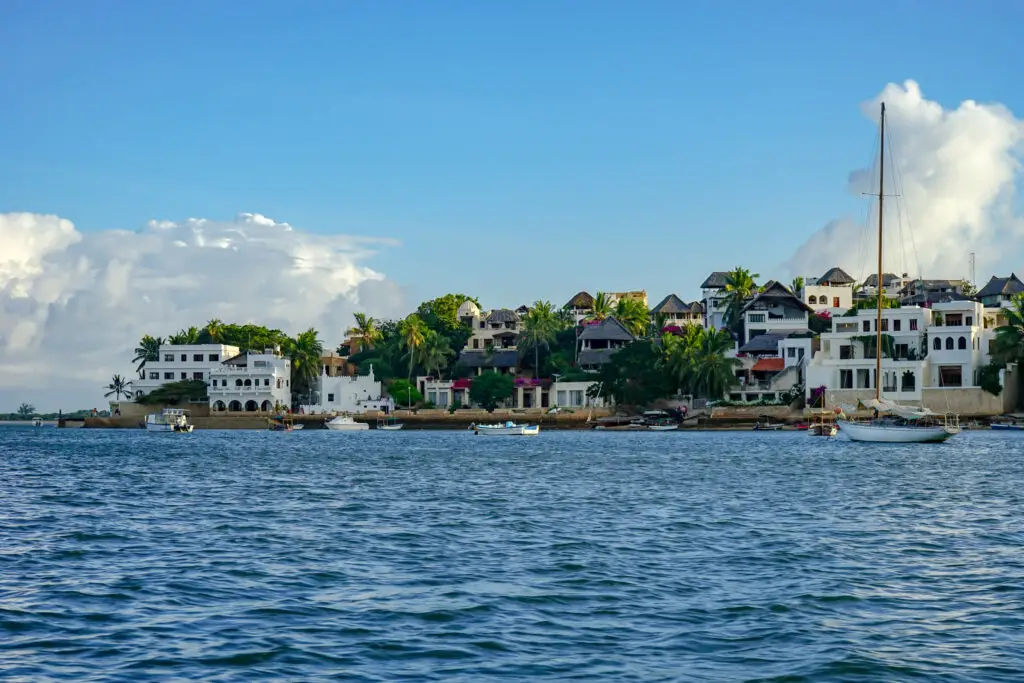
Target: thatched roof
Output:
[
  {"x": 505, "y": 358},
  {"x": 595, "y": 356},
  {"x": 581, "y": 302},
  {"x": 872, "y": 280},
  {"x": 670, "y": 304},
  {"x": 1007, "y": 286},
  {"x": 716, "y": 280},
  {"x": 502, "y": 315},
  {"x": 608, "y": 329},
  {"x": 777, "y": 294},
  {"x": 835, "y": 276}
]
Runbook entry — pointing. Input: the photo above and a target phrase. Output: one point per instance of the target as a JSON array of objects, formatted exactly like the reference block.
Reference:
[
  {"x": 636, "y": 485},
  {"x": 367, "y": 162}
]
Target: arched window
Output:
[
  {"x": 937, "y": 344},
  {"x": 812, "y": 299},
  {"x": 248, "y": 382},
  {"x": 962, "y": 343},
  {"x": 908, "y": 381},
  {"x": 238, "y": 382},
  {"x": 949, "y": 343}
]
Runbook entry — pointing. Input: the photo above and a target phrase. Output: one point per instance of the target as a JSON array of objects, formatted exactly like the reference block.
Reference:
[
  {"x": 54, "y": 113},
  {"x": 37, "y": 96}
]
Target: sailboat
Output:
[{"x": 893, "y": 423}]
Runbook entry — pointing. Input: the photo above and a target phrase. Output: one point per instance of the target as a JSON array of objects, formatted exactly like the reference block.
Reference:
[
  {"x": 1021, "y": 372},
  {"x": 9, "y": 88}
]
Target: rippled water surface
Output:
[{"x": 440, "y": 556}]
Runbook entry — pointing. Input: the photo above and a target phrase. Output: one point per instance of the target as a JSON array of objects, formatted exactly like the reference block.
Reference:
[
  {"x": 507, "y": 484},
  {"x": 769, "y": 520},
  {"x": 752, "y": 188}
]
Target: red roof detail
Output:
[
  {"x": 461, "y": 384},
  {"x": 769, "y": 365}
]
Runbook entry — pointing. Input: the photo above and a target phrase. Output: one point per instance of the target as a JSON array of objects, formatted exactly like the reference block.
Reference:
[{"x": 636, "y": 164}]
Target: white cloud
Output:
[
  {"x": 958, "y": 170},
  {"x": 73, "y": 305}
]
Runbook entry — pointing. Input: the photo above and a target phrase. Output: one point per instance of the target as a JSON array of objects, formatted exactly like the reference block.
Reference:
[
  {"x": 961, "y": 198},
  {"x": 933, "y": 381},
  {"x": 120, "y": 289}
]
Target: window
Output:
[
  {"x": 560, "y": 398},
  {"x": 800, "y": 353},
  {"x": 812, "y": 299},
  {"x": 432, "y": 397},
  {"x": 896, "y": 325},
  {"x": 863, "y": 379},
  {"x": 937, "y": 344},
  {"x": 168, "y": 375},
  {"x": 791, "y": 352},
  {"x": 908, "y": 381},
  {"x": 962, "y": 343},
  {"x": 576, "y": 397},
  {"x": 184, "y": 357},
  {"x": 154, "y": 375},
  {"x": 238, "y": 382},
  {"x": 885, "y": 324},
  {"x": 266, "y": 382},
  {"x": 950, "y": 376},
  {"x": 483, "y": 324},
  {"x": 969, "y": 321},
  {"x": 846, "y": 379},
  {"x": 846, "y": 352},
  {"x": 949, "y": 343},
  {"x": 913, "y": 325},
  {"x": 330, "y": 398},
  {"x": 278, "y": 382},
  {"x": 756, "y": 317},
  {"x": 197, "y": 375},
  {"x": 442, "y": 399},
  {"x": 476, "y": 343},
  {"x": 867, "y": 325},
  {"x": 902, "y": 351},
  {"x": 168, "y": 357},
  {"x": 184, "y": 375},
  {"x": 214, "y": 357},
  {"x": 835, "y": 302},
  {"x": 197, "y": 357},
  {"x": 888, "y": 381},
  {"x": 247, "y": 382}
]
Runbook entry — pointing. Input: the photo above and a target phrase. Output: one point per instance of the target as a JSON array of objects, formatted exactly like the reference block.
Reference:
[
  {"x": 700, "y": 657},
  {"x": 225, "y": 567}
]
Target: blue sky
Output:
[{"x": 517, "y": 150}]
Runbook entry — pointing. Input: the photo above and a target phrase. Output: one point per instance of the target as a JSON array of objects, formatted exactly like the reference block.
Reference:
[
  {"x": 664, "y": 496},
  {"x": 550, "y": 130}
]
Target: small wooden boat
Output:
[
  {"x": 283, "y": 423},
  {"x": 169, "y": 420},
  {"x": 389, "y": 424}
]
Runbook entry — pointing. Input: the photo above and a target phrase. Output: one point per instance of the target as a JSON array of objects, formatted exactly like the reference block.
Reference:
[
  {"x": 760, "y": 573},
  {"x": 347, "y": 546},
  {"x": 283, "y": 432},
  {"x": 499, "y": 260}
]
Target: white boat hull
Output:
[
  {"x": 158, "y": 427},
  {"x": 518, "y": 430},
  {"x": 822, "y": 430},
  {"x": 391, "y": 428},
  {"x": 663, "y": 428},
  {"x": 882, "y": 433},
  {"x": 348, "y": 427}
]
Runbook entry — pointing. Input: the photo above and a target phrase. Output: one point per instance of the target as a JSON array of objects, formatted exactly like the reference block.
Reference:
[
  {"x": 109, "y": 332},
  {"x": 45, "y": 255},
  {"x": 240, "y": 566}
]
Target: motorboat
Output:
[
  {"x": 169, "y": 420},
  {"x": 1007, "y": 426},
  {"x": 345, "y": 423},
  {"x": 509, "y": 428},
  {"x": 37, "y": 421},
  {"x": 768, "y": 426}
]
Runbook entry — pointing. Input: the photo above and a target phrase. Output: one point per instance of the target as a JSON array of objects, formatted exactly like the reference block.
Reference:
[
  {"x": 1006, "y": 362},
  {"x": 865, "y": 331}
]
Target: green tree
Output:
[
  {"x": 633, "y": 314},
  {"x": 442, "y": 314},
  {"x": 173, "y": 393},
  {"x": 435, "y": 353},
  {"x": 404, "y": 393},
  {"x": 26, "y": 410},
  {"x": 602, "y": 307},
  {"x": 634, "y": 375},
  {"x": 119, "y": 386},
  {"x": 797, "y": 286},
  {"x": 491, "y": 389},
  {"x": 740, "y": 286},
  {"x": 211, "y": 332},
  {"x": 538, "y": 330},
  {"x": 413, "y": 332},
  {"x": 366, "y": 328},
  {"x": 147, "y": 351},
  {"x": 305, "y": 352},
  {"x": 714, "y": 374},
  {"x": 1008, "y": 343},
  {"x": 182, "y": 337}
]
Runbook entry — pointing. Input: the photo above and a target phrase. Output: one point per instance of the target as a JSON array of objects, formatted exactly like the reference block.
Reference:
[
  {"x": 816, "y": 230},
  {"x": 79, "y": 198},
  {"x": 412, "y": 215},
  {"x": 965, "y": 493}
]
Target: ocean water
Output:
[{"x": 441, "y": 556}]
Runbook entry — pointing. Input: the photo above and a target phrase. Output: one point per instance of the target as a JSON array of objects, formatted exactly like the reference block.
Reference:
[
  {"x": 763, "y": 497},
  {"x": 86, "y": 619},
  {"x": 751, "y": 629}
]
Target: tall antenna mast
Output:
[{"x": 881, "y": 200}]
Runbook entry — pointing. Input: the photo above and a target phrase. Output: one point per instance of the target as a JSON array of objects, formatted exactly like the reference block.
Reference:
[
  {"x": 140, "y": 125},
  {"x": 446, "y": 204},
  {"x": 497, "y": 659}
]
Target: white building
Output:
[
  {"x": 715, "y": 299},
  {"x": 343, "y": 394},
  {"x": 957, "y": 343},
  {"x": 497, "y": 329},
  {"x": 176, "y": 363},
  {"x": 574, "y": 395},
  {"x": 831, "y": 293},
  {"x": 774, "y": 309},
  {"x": 251, "y": 382}
]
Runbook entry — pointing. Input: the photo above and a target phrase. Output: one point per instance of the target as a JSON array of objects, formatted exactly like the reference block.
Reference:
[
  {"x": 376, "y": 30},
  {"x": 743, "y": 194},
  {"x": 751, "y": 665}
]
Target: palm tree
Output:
[
  {"x": 798, "y": 285},
  {"x": 147, "y": 351},
  {"x": 305, "y": 352},
  {"x": 1008, "y": 344},
  {"x": 681, "y": 354},
  {"x": 213, "y": 330},
  {"x": 740, "y": 286},
  {"x": 119, "y": 386},
  {"x": 435, "y": 352},
  {"x": 602, "y": 307},
  {"x": 539, "y": 327},
  {"x": 366, "y": 328},
  {"x": 413, "y": 332},
  {"x": 189, "y": 336},
  {"x": 713, "y": 373},
  {"x": 633, "y": 314}
]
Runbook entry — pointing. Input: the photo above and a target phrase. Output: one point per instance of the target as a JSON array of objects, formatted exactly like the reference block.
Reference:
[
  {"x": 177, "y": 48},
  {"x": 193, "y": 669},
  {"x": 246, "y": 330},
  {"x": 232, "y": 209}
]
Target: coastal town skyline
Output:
[{"x": 295, "y": 186}]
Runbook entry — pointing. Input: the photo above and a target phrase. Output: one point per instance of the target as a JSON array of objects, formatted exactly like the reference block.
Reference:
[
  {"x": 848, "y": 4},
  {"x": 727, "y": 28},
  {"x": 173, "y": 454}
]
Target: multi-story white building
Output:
[
  {"x": 251, "y": 382},
  {"x": 774, "y": 309},
  {"x": 832, "y": 292},
  {"x": 497, "y": 329},
  {"x": 344, "y": 394},
  {"x": 176, "y": 363},
  {"x": 957, "y": 343},
  {"x": 712, "y": 292}
]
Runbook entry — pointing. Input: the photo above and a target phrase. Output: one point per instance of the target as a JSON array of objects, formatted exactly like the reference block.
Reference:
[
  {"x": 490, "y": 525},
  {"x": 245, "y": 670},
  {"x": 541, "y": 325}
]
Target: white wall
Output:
[
  {"x": 573, "y": 395},
  {"x": 170, "y": 367},
  {"x": 269, "y": 378},
  {"x": 349, "y": 395},
  {"x": 825, "y": 298}
]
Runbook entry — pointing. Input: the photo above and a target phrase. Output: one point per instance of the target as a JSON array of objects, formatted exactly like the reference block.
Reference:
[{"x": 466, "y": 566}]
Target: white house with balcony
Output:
[
  {"x": 180, "y": 362},
  {"x": 957, "y": 343},
  {"x": 344, "y": 394},
  {"x": 251, "y": 382},
  {"x": 831, "y": 293},
  {"x": 774, "y": 309}
]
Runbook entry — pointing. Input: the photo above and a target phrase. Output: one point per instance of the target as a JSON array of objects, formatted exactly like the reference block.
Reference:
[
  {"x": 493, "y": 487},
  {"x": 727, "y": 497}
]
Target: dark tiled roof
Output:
[
  {"x": 697, "y": 307},
  {"x": 608, "y": 329},
  {"x": 763, "y": 343},
  {"x": 582, "y": 301},
  {"x": 775, "y": 293},
  {"x": 836, "y": 276},
  {"x": 595, "y": 356},
  {"x": 872, "y": 280},
  {"x": 502, "y": 315},
  {"x": 523, "y": 310},
  {"x": 505, "y": 358},
  {"x": 716, "y": 280},
  {"x": 671, "y": 304},
  {"x": 241, "y": 360},
  {"x": 1002, "y": 285}
]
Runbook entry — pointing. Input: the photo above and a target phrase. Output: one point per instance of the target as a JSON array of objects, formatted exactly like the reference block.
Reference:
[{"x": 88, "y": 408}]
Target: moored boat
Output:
[
  {"x": 344, "y": 423},
  {"x": 509, "y": 428},
  {"x": 283, "y": 423},
  {"x": 169, "y": 420},
  {"x": 1007, "y": 426},
  {"x": 37, "y": 421},
  {"x": 389, "y": 424}
]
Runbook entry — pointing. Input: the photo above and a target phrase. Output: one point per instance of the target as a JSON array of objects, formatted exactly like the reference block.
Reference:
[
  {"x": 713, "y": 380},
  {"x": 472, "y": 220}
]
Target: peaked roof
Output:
[
  {"x": 763, "y": 343},
  {"x": 716, "y": 280},
  {"x": 582, "y": 301},
  {"x": 499, "y": 358},
  {"x": 502, "y": 315},
  {"x": 671, "y": 304},
  {"x": 836, "y": 276},
  {"x": 872, "y": 280},
  {"x": 775, "y": 292},
  {"x": 769, "y": 365},
  {"x": 1002, "y": 285},
  {"x": 608, "y": 329}
]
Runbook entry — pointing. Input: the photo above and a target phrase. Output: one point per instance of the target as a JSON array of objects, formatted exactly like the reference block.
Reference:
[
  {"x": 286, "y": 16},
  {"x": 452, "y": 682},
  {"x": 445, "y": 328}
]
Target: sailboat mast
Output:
[{"x": 881, "y": 199}]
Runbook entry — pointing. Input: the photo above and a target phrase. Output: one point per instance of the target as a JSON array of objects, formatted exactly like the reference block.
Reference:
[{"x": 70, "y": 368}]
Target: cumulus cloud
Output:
[
  {"x": 73, "y": 305},
  {"x": 957, "y": 174}
]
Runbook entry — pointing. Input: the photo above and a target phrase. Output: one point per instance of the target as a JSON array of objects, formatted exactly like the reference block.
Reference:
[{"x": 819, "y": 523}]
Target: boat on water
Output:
[
  {"x": 823, "y": 422},
  {"x": 663, "y": 426},
  {"x": 37, "y": 421},
  {"x": 893, "y": 423},
  {"x": 768, "y": 427},
  {"x": 283, "y": 423},
  {"x": 169, "y": 420},
  {"x": 509, "y": 428},
  {"x": 345, "y": 423},
  {"x": 1009, "y": 426},
  {"x": 389, "y": 424}
]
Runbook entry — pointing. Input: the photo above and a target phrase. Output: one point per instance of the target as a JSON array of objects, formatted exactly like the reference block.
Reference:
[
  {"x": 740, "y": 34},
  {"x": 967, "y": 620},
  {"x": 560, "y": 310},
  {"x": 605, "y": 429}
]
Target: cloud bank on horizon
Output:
[
  {"x": 958, "y": 171},
  {"x": 73, "y": 305}
]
